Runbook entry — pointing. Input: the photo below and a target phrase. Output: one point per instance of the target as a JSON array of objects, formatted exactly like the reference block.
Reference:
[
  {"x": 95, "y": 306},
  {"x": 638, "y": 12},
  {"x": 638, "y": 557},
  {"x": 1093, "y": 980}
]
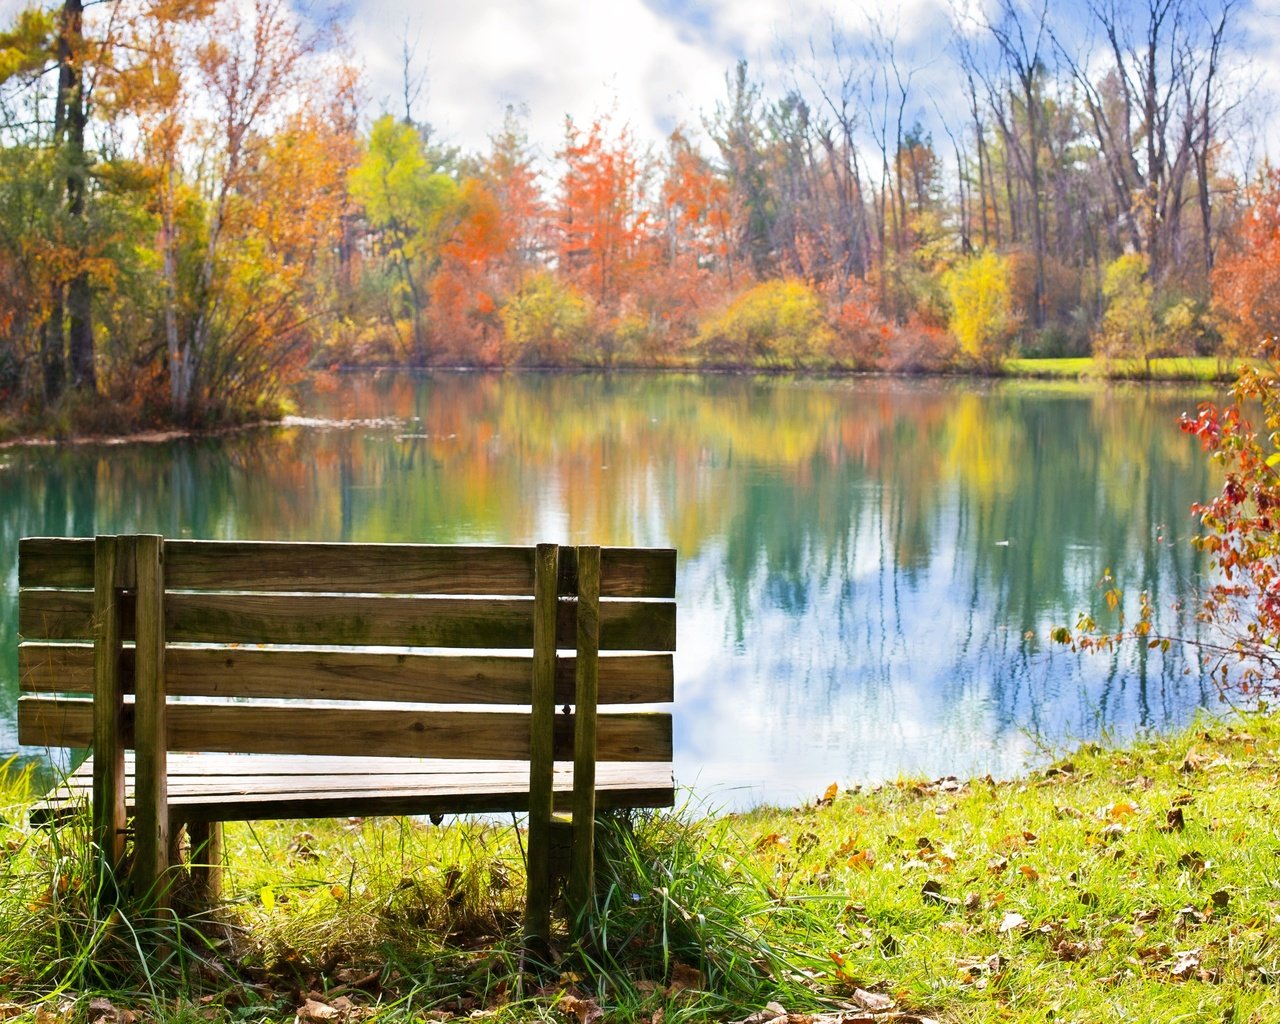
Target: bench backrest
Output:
[{"x": 282, "y": 647}]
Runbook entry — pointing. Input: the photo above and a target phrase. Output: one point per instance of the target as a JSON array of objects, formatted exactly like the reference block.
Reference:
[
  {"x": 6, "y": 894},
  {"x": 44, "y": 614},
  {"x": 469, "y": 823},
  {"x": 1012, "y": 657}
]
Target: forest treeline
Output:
[{"x": 195, "y": 208}]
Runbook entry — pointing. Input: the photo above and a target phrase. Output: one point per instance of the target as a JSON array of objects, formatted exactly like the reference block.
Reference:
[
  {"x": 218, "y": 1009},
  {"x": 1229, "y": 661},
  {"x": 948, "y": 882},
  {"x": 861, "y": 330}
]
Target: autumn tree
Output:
[
  {"x": 469, "y": 282},
  {"x": 509, "y": 174},
  {"x": 981, "y": 315},
  {"x": 693, "y": 231},
  {"x": 603, "y": 221},
  {"x": 1246, "y": 281},
  {"x": 736, "y": 127},
  {"x": 410, "y": 207},
  {"x": 1157, "y": 114},
  {"x": 35, "y": 44},
  {"x": 1128, "y": 322},
  {"x": 249, "y": 171}
]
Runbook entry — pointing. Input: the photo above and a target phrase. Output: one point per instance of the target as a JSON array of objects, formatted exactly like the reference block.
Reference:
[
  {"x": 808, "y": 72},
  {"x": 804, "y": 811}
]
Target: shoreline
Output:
[{"x": 1084, "y": 371}]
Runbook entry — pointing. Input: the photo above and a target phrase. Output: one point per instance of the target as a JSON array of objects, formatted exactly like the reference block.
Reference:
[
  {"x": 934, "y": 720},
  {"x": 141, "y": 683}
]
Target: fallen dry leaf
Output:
[
  {"x": 103, "y": 1011},
  {"x": 873, "y": 1001},
  {"x": 587, "y": 1011},
  {"x": 315, "y": 1012},
  {"x": 771, "y": 1011},
  {"x": 684, "y": 977},
  {"x": 1012, "y": 922},
  {"x": 1186, "y": 964}
]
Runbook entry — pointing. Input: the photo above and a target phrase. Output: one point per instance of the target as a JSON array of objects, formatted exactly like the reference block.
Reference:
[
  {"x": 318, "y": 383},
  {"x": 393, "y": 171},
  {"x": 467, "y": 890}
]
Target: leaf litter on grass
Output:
[{"x": 1108, "y": 886}]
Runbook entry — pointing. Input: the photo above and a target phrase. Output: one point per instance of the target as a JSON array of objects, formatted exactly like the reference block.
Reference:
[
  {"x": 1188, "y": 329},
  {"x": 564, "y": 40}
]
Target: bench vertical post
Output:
[
  {"x": 151, "y": 821},
  {"x": 586, "y": 686},
  {"x": 537, "y": 922},
  {"x": 113, "y": 565}
]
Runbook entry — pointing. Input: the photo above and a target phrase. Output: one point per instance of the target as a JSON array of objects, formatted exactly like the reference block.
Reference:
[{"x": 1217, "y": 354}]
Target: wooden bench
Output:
[{"x": 227, "y": 681}]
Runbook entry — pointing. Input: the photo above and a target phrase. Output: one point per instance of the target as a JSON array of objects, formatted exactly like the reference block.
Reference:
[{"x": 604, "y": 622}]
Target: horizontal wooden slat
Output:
[
  {"x": 222, "y": 786},
  {"x": 273, "y": 729},
  {"x": 354, "y": 621},
  {"x": 625, "y": 572},
  {"x": 188, "y": 768},
  {"x": 55, "y": 562},
  {"x": 349, "y": 675},
  {"x": 353, "y": 568}
]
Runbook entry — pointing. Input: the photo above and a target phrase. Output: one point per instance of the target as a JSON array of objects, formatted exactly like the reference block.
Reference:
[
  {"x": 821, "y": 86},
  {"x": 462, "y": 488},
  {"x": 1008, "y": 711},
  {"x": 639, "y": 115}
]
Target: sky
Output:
[
  {"x": 654, "y": 65},
  {"x": 651, "y": 64}
]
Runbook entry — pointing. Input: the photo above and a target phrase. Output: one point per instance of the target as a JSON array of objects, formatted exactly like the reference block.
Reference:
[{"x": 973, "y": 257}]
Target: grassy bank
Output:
[
  {"x": 1140, "y": 884},
  {"x": 1183, "y": 368}
]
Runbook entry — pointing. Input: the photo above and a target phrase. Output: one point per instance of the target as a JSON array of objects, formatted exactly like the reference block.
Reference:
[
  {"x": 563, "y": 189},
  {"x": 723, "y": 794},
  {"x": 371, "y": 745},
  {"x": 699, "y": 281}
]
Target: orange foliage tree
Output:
[
  {"x": 1246, "y": 283},
  {"x": 509, "y": 175},
  {"x": 693, "y": 233},
  {"x": 603, "y": 225},
  {"x": 467, "y": 286}
]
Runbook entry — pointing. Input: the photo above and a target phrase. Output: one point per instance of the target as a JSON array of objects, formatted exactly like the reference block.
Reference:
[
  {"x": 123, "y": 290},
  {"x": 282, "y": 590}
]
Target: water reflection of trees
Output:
[{"x": 876, "y": 562}]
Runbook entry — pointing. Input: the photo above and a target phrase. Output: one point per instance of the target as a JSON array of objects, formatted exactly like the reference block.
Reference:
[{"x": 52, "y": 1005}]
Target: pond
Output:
[{"x": 869, "y": 568}]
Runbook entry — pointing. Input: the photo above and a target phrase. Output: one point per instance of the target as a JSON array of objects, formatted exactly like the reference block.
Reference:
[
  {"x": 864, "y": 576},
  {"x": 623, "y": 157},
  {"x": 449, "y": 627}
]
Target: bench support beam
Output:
[
  {"x": 537, "y": 920},
  {"x": 151, "y": 823},
  {"x": 582, "y": 858},
  {"x": 113, "y": 572}
]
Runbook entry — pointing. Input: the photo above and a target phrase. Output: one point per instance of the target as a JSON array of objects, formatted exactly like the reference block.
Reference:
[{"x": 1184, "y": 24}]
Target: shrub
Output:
[
  {"x": 775, "y": 323},
  {"x": 545, "y": 322}
]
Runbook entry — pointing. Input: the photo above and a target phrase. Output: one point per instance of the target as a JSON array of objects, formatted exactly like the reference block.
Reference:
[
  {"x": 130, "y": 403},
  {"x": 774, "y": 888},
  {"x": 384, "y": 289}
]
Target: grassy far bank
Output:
[
  {"x": 1140, "y": 884},
  {"x": 1182, "y": 368}
]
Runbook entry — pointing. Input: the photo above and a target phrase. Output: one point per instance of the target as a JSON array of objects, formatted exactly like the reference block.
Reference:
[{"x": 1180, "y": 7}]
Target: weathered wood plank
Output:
[
  {"x": 350, "y": 675},
  {"x": 582, "y": 851},
  {"x": 113, "y": 557},
  {"x": 349, "y": 732},
  {"x": 206, "y": 786},
  {"x": 149, "y": 871},
  {"x": 254, "y": 808},
  {"x": 541, "y": 747},
  {"x": 625, "y": 572},
  {"x": 55, "y": 562},
  {"x": 217, "y": 763},
  {"x": 301, "y": 786},
  {"x": 499, "y": 623},
  {"x": 353, "y": 568}
]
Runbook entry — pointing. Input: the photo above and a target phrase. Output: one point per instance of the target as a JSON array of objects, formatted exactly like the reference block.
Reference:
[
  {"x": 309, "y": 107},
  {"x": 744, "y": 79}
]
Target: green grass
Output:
[
  {"x": 1140, "y": 884},
  {"x": 1192, "y": 368}
]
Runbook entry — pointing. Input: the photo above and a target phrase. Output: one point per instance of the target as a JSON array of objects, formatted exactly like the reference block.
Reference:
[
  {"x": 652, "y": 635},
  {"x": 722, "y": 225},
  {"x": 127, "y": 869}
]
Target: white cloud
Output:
[
  {"x": 654, "y": 63},
  {"x": 554, "y": 57}
]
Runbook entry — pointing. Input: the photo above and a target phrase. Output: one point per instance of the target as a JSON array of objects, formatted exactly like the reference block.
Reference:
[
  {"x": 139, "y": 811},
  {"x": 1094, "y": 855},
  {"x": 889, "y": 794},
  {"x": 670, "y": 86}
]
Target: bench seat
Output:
[{"x": 251, "y": 787}]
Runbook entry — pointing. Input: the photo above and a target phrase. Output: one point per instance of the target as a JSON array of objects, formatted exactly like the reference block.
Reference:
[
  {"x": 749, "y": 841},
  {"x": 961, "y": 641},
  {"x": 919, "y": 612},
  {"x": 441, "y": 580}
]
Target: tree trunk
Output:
[
  {"x": 72, "y": 106},
  {"x": 52, "y": 344}
]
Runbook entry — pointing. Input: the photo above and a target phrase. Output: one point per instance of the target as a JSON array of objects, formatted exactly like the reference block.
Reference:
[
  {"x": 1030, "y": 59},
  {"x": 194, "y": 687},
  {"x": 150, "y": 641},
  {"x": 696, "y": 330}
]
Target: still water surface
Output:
[{"x": 868, "y": 568}]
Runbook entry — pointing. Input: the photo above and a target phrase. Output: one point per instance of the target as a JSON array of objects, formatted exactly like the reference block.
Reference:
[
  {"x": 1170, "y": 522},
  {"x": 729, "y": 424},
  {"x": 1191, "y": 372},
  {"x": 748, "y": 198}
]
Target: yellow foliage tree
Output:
[
  {"x": 1129, "y": 323},
  {"x": 981, "y": 313}
]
